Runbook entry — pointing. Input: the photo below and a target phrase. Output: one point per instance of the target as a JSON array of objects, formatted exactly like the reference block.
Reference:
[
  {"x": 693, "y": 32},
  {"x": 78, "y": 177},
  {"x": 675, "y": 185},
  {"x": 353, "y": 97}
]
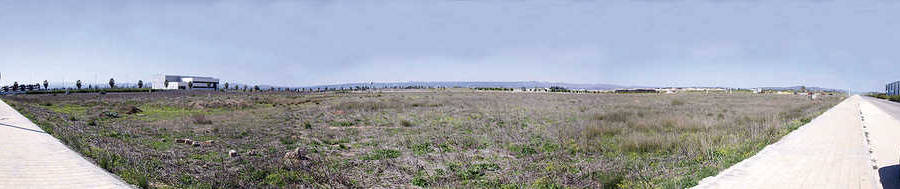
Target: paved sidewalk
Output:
[
  {"x": 828, "y": 152},
  {"x": 30, "y": 158}
]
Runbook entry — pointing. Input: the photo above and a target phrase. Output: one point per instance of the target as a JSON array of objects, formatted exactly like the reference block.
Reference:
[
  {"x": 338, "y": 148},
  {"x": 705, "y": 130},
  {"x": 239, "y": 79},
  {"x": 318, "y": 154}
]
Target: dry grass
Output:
[{"x": 433, "y": 139}]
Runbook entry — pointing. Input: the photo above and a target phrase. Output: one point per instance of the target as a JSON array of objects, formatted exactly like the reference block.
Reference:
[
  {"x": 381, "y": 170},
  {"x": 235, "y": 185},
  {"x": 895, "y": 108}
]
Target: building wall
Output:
[
  {"x": 892, "y": 89},
  {"x": 181, "y": 82},
  {"x": 158, "y": 82}
]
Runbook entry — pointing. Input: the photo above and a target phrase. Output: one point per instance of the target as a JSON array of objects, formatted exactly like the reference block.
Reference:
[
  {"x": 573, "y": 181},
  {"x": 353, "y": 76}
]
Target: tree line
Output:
[{"x": 46, "y": 86}]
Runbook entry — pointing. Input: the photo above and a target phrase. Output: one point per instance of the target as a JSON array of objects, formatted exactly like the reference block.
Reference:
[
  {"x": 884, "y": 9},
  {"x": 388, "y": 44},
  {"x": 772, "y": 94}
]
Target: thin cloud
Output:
[{"x": 839, "y": 44}]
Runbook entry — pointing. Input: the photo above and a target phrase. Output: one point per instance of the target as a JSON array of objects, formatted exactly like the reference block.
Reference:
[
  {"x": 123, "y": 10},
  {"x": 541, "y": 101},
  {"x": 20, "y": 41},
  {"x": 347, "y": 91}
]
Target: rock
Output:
[
  {"x": 296, "y": 157},
  {"x": 108, "y": 114},
  {"x": 196, "y": 143},
  {"x": 184, "y": 141},
  {"x": 297, "y": 153},
  {"x": 233, "y": 153},
  {"x": 132, "y": 110}
]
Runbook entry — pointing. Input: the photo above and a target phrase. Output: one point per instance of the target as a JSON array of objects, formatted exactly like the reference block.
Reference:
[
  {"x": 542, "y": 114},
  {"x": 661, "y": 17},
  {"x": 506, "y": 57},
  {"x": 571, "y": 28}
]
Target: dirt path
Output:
[
  {"x": 828, "y": 152},
  {"x": 31, "y": 158}
]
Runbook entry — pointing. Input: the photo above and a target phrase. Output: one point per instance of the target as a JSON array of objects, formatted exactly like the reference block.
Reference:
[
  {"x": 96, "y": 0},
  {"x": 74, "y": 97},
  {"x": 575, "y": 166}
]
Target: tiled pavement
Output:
[{"x": 31, "y": 158}]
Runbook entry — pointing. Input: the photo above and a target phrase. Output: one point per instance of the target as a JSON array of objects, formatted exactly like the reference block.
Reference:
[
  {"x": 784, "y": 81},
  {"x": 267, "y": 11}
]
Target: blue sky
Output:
[{"x": 836, "y": 44}]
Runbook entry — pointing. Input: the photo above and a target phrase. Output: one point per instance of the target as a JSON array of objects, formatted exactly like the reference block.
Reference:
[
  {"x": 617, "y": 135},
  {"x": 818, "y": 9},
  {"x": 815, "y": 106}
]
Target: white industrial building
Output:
[{"x": 185, "y": 82}]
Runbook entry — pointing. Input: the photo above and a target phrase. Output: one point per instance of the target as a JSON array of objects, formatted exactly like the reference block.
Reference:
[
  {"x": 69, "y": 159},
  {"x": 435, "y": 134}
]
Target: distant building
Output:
[
  {"x": 536, "y": 89},
  {"x": 185, "y": 82},
  {"x": 892, "y": 89}
]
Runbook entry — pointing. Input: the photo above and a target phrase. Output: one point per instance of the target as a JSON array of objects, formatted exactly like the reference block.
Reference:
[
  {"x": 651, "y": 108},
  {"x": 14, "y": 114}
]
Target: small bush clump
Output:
[{"x": 201, "y": 119}]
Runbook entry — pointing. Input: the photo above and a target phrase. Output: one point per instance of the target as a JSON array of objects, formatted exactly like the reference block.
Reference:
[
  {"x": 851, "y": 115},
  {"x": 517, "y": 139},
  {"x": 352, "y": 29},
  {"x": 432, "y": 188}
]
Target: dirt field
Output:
[{"x": 430, "y": 138}]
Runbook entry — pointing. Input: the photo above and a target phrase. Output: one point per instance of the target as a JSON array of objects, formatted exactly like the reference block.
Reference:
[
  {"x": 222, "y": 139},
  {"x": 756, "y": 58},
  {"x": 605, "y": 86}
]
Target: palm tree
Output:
[
  {"x": 140, "y": 84},
  {"x": 112, "y": 83},
  {"x": 46, "y": 84}
]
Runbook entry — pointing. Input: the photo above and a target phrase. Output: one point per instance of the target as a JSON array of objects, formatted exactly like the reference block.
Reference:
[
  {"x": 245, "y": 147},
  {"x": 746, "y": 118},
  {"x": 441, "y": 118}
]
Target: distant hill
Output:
[
  {"x": 797, "y": 88},
  {"x": 473, "y": 84}
]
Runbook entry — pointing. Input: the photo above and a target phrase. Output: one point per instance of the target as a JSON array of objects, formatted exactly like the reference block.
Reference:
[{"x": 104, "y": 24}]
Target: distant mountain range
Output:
[
  {"x": 474, "y": 84},
  {"x": 797, "y": 88},
  {"x": 531, "y": 84}
]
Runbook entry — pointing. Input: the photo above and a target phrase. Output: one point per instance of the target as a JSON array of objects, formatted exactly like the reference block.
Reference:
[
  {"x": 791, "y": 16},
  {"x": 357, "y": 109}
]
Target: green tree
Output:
[
  {"x": 112, "y": 83},
  {"x": 140, "y": 84},
  {"x": 78, "y": 84},
  {"x": 226, "y": 85},
  {"x": 15, "y": 86},
  {"x": 46, "y": 84}
]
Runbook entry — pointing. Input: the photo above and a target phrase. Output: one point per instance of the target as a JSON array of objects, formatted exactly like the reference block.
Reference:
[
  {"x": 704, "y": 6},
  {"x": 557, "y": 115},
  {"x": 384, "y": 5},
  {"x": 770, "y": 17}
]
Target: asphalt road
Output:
[
  {"x": 881, "y": 120},
  {"x": 892, "y": 108}
]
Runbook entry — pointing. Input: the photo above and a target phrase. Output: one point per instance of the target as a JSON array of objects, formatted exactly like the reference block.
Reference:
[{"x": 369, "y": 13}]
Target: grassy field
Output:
[
  {"x": 886, "y": 97},
  {"x": 426, "y": 138}
]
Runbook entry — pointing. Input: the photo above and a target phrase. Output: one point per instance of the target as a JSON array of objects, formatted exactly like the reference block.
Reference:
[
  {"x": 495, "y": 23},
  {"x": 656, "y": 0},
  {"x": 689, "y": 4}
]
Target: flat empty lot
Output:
[{"x": 435, "y": 138}]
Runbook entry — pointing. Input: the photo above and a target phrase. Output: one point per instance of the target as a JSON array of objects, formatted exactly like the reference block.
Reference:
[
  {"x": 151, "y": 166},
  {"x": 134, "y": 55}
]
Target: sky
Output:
[{"x": 728, "y": 43}]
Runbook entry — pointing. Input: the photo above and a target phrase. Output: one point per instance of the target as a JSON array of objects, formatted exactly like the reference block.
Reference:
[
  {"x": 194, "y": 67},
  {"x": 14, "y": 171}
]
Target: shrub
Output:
[
  {"x": 420, "y": 180},
  {"x": 281, "y": 178},
  {"x": 609, "y": 179},
  {"x": 421, "y": 148},
  {"x": 136, "y": 177},
  {"x": 406, "y": 123},
  {"x": 522, "y": 150},
  {"x": 201, "y": 119},
  {"x": 110, "y": 114},
  {"x": 342, "y": 123},
  {"x": 617, "y": 116},
  {"x": 382, "y": 154}
]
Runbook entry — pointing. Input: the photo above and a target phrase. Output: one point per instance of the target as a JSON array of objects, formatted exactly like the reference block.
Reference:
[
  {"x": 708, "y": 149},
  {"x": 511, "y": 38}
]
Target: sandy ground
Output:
[
  {"x": 829, "y": 152},
  {"x": 31, "y": 158}
]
